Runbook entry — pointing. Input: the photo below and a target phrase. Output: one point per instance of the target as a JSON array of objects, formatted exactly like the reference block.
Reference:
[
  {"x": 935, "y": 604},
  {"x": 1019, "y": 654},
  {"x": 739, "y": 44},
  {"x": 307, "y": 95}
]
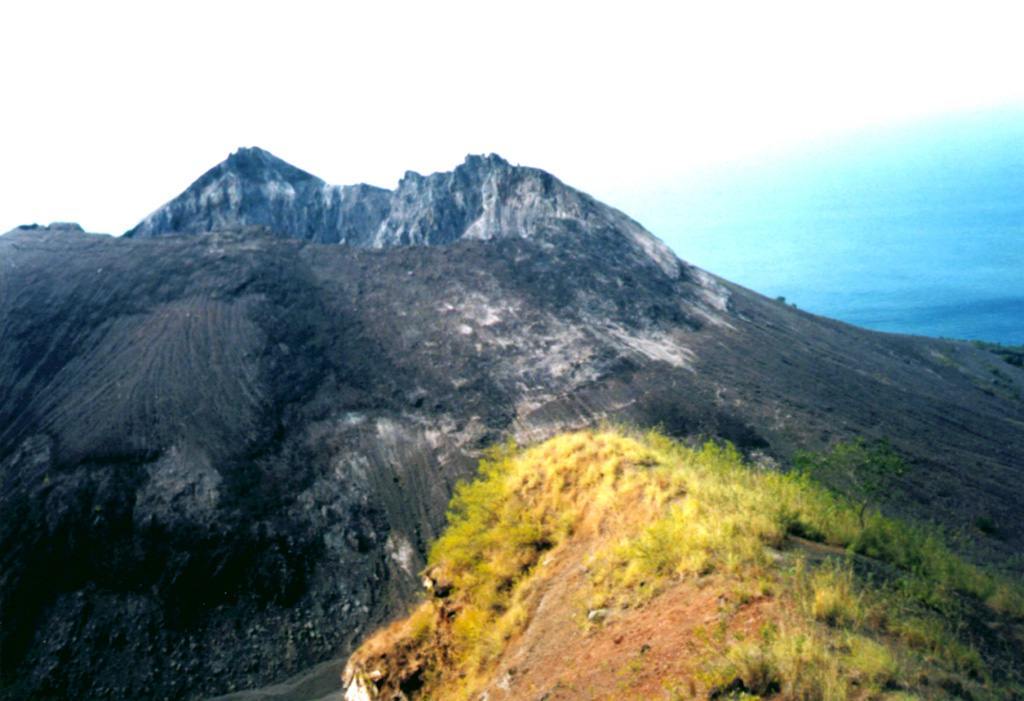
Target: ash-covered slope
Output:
[{"x": 223, "y": 454}]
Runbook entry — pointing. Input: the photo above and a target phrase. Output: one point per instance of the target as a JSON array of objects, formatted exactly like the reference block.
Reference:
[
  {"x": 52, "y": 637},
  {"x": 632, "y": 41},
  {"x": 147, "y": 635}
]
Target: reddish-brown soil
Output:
[{"x": 636, "y": 652}]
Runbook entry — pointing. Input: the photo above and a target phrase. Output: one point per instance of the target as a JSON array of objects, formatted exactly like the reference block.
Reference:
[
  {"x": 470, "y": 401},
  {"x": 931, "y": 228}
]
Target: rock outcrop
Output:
[
  {"x": 484, "y": 198},
  {"x": 255, "y": 188},
  {"x": 224, "y": 451}
]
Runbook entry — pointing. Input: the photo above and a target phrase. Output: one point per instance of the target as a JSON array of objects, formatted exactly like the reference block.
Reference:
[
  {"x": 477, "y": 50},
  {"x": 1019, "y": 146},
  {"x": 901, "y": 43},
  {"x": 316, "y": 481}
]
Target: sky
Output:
[{"x": 110, "y": 109}]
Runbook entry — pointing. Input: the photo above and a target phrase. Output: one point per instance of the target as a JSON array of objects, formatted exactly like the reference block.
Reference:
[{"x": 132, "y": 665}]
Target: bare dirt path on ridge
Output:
[{"x": 633, "y": 653}]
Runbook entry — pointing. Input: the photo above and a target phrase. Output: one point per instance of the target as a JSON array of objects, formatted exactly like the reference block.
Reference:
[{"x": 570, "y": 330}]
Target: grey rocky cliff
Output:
[
  {"x": 486, "y": 198},
  {"x": 254, "y": 188},
  {"x": 223, "y": 454},
  {"x": 483, "y": 198}
]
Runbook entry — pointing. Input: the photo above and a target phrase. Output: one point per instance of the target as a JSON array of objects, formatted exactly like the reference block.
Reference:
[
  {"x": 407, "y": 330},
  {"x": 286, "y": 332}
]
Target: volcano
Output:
[{"x": 228, "y": 437}]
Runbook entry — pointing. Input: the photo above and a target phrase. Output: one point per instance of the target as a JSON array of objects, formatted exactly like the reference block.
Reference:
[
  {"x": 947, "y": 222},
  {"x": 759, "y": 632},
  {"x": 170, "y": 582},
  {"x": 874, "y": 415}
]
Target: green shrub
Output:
[{"x": 860, "y": 472}]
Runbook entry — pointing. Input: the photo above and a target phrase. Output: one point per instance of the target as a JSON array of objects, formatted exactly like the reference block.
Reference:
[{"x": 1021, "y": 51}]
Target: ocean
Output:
[{"x": 916, "y": 229}]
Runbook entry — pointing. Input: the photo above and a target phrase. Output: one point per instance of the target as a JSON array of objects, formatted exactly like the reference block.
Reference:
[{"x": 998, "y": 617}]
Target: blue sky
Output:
[{"x": 112, "y": 108}]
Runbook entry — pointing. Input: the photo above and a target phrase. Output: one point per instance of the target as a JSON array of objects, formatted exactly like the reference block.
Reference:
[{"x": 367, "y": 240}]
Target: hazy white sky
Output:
[{"x": 111, "y": 108}]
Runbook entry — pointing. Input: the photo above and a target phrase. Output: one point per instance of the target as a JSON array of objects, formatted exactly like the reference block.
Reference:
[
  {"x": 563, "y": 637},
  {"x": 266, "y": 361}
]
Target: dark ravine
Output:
[{"x": 226, "y": 445}]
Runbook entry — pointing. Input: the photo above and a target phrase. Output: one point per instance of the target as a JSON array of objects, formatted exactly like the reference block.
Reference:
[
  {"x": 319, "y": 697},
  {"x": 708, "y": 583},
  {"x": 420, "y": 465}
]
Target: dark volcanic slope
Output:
[{"x": 222, "y": 455}]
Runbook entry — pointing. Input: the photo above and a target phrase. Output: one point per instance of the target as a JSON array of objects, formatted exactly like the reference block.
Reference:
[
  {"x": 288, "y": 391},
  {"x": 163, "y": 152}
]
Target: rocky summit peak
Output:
[
  {"x": 254, "y": 163},
  {"x": 483, "y": 198},
  {"x": 474, "y": 163},
  {"x": 255, "y": 188},
  {"x": 490, "y": 161}
]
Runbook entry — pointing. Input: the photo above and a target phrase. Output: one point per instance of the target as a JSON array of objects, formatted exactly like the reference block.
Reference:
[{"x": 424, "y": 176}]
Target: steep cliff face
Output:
[
  {"x": 260, "y": 433},
  {"x": 484, "y": 198},
  {"x": 254, "y": 188}
]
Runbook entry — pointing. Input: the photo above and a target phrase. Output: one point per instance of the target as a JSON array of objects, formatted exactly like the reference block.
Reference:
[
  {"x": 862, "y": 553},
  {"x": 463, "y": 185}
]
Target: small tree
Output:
[{"x": 860, "y": 472}]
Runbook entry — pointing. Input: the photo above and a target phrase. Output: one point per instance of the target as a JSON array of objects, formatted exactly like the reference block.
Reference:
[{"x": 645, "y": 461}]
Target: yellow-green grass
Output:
[{"x": 666, "y": 512}]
